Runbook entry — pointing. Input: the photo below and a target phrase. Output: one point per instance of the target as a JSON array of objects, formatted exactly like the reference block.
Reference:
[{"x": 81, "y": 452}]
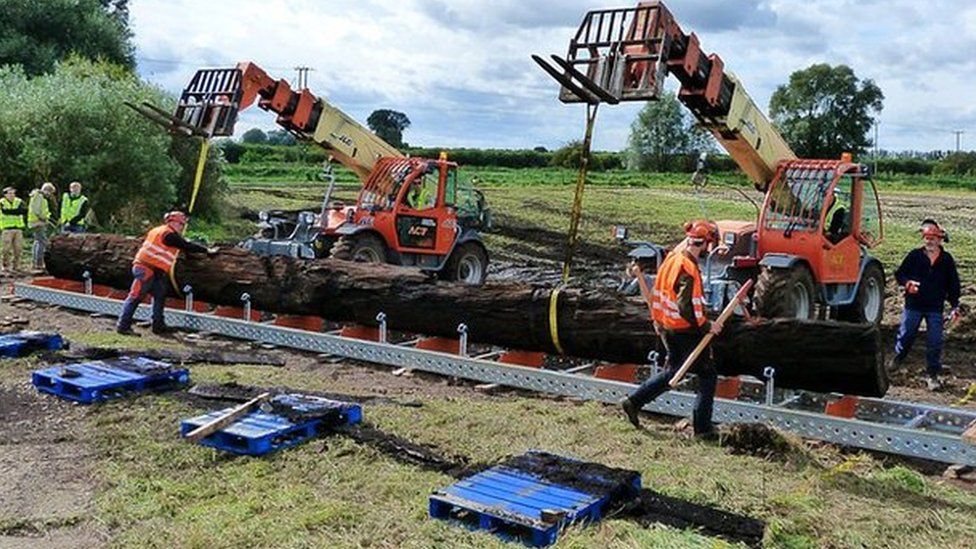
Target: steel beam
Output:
[{"x": 881, "y": 424}]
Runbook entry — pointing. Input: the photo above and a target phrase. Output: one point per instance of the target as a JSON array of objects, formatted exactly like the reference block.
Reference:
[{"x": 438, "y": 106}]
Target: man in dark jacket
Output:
[{"x": 929, "y": 277}]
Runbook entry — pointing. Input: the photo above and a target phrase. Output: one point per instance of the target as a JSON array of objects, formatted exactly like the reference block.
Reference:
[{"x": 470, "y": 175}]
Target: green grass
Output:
[{"x": 156, "y": 491}]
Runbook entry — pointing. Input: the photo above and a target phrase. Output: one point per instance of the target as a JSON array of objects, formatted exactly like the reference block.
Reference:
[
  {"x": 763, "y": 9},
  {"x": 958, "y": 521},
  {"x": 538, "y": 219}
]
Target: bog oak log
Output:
[{"x": 818, "y": 356}]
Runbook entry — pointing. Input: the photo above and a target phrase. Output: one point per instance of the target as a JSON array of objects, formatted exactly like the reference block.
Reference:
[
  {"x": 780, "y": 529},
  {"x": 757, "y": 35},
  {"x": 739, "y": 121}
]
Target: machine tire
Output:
[
  {"x": 870, "y": 294},
  {"x": 780, "y": 293},
  {"x": 468, "y": 263},
  {"x": 322, "y": 245},
  {"x": 362, "y": 248}
]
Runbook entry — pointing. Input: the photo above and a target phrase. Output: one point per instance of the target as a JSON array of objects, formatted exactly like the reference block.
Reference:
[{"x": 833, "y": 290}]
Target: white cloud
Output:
[{"x": 461, "y": 68}]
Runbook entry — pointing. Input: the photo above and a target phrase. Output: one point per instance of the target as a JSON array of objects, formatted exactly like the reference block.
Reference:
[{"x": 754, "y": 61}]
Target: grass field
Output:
[
  {"x": 149, "y": 489},
  {"x": 654, "y": 205}
]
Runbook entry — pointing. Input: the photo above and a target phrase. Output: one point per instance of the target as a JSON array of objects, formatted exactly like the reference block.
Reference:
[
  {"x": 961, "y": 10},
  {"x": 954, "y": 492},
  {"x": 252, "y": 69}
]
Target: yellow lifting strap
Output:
[
  {"x": 197, "y": 179},
  {"x": 554, "y": 319}
]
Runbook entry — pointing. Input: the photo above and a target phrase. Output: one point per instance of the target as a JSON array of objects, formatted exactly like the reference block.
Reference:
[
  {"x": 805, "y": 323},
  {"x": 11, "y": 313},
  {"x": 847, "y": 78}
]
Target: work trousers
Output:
[
  {"x": 40, "y": 233},
  {"x": 145, "y": 280},
  {"x": 12, "y": 241},
  {"x": 911, "y": 320},
  {"x": 680, "y": 345}
]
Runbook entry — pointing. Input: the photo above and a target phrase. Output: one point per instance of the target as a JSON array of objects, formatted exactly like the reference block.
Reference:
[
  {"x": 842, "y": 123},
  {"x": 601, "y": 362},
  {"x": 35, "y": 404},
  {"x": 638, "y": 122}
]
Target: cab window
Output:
[{"x": 840, "y": 211}]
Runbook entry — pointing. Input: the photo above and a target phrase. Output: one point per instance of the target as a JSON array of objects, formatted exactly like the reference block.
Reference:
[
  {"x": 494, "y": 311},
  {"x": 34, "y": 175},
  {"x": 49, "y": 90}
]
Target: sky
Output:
[{"x": 461, "y": 69}]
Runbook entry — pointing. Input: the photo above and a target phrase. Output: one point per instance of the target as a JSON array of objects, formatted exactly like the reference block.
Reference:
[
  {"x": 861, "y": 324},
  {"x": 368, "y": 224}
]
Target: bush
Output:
[
  {"x": 960, "y": 163},
  {"x": 72, "y": 125}
]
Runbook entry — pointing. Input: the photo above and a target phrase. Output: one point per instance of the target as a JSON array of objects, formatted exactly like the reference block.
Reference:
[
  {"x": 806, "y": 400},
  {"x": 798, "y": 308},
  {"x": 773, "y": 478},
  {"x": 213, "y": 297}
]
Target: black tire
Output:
[
  {"x": 322, "y": 245},
  {"x": 362, "y": 248},
  {"x": 468, "y": 264},
  {"x": 785, "y": 293},
  {"x": 868, "y": 306}
]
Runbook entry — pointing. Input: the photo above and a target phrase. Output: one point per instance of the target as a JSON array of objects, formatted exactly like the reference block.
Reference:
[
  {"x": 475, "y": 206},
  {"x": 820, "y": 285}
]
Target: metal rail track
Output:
[{"x": 903, "y": 428}]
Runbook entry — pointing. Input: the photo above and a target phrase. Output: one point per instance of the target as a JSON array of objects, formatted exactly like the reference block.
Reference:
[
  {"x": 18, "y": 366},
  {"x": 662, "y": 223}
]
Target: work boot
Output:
[
  {"x": 710, "y": 435},
  {"x": 633, "y": 413},
  {"x": 162, "y": 330},
  {"x": 933, "y": 383},
  {"x": 127, "y": 332}
]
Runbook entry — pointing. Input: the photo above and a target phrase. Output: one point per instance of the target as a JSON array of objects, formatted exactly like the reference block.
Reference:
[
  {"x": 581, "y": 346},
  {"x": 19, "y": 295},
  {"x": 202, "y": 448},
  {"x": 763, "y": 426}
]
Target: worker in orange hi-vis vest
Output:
[
  {"x": 678, "y": 312},
  {"x": 150, "y": 270}
]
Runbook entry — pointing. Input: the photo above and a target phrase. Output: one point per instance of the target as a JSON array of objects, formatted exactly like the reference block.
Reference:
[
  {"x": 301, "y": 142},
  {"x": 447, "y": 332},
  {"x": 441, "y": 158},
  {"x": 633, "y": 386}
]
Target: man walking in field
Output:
[
  {"x": 678, "y": 312},
  {"x": 930, "y": 278},
  {"x": 12, "y": 224}
]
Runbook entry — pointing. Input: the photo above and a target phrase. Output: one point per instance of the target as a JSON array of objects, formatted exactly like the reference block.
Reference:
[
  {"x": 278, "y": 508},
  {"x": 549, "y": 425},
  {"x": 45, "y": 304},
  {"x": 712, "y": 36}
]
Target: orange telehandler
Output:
[
  {"x": 809, "y": 244},
  {"x": 412, "y": 212}
]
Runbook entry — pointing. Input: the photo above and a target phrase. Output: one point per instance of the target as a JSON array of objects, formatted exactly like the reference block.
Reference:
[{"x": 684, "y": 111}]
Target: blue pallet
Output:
[
  {"x": 259, "y": 433},
  {"x": 24, "y": 343},
  {"x": 512, "y": 503},
  {"x": 101, "y": 380}
]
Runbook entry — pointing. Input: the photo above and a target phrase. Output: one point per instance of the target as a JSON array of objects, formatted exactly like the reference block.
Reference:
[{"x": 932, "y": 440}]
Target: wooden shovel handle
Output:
[{"x": 703, "y": 344}]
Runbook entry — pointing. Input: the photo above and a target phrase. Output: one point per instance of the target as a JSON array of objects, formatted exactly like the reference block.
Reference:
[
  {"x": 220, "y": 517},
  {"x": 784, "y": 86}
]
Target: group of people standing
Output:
[{"x": 42, "y": 218}]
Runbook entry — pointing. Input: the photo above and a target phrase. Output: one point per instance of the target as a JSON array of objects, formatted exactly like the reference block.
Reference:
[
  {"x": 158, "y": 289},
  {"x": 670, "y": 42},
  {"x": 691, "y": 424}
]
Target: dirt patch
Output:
[
  {"x": 651, "y": 508},
  {"x": 44, "y": 471},
  {"x": 762, "y": 441}
]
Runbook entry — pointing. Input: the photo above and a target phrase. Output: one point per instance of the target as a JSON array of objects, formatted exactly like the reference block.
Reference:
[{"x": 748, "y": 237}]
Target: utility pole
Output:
[
  {"x": 958, "y": 138},
  {"x": 876, "y": 124},
  {"x": 302, "y": 82}
]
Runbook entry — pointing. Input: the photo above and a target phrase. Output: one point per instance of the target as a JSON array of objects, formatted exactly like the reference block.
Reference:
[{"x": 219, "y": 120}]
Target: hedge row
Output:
[{"x": 247, "y": 153}]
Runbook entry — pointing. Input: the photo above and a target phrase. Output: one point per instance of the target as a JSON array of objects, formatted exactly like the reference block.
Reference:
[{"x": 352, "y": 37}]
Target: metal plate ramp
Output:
[
  {"x": 515, "y": 503},
  {"x": 904, "y": 428},
  {"x": 89, "y": 382},
  {"x": 259, "y": 433}
]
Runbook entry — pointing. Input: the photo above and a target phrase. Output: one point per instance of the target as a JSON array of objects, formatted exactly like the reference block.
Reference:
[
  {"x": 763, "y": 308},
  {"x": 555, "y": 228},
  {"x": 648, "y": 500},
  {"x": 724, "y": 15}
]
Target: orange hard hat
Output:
[
  {"x": 176, "y": 216},
  {"x": 701, "y": 229}
]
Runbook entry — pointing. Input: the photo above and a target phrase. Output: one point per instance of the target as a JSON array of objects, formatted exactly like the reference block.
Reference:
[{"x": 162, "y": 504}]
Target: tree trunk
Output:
[{"x": 820, "y": 356}]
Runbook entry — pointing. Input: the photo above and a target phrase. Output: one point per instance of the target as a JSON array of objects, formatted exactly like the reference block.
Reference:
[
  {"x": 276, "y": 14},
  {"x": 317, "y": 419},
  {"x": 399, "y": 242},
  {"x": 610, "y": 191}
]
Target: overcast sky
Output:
[{"x": 461, "y": 71}]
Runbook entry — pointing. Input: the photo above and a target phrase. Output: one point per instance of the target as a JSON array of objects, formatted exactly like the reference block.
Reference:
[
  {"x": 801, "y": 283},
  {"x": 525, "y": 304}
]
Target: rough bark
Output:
[{"x": 821, "y": 356}]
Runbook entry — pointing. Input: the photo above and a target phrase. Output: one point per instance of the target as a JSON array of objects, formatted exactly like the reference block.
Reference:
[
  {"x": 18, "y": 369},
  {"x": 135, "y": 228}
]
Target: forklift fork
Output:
[{"x": 208, "y": 106}]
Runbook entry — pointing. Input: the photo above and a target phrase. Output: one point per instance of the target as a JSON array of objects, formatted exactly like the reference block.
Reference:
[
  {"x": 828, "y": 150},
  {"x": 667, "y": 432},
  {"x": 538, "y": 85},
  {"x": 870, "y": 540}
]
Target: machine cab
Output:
[
  {"x": 825, "y": 211},
  {"x": 411, "y": 202}
]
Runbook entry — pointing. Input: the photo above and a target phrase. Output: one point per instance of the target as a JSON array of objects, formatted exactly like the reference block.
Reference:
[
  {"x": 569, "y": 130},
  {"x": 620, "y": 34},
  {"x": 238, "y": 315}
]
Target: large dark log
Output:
[{"x": 821, "y": 356}]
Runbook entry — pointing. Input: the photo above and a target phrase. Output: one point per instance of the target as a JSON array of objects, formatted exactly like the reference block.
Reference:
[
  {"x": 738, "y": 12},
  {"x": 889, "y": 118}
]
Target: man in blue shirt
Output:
[{"x": 929, "y": 277}]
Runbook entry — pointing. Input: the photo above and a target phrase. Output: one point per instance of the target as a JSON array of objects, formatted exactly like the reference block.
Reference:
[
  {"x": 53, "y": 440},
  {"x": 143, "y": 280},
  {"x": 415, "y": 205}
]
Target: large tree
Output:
[
  {"x": 824, "y": 111},
  {"x": 389, "y": 126},
  {"x": 254, "y": 136},
  {"x": 37, "y": 35},
  {"x": 662, "y": 132}
]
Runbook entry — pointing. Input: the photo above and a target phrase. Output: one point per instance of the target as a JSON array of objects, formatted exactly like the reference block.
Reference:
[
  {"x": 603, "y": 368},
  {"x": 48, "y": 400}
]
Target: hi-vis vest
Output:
[
  {"x": 37, "y": 202},
  {"x": 664, "y": 310},
  {"x": 156, "y": 254},
  {"x": 71, "y": 207},
  {"x": 11, "y": 221}
]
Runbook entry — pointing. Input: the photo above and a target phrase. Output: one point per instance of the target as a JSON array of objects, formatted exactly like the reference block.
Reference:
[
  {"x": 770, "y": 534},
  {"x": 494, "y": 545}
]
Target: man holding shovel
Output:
[{"x": 678, "y": 314}]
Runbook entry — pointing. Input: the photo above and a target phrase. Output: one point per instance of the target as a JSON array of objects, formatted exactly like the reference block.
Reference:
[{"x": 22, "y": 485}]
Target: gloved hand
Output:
[
  {"x": 212, "y": 251},
  {"x": 911, "y": 287},
  {"x": 715, "y": 328},
  {"x": 954, "y": 314}
]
